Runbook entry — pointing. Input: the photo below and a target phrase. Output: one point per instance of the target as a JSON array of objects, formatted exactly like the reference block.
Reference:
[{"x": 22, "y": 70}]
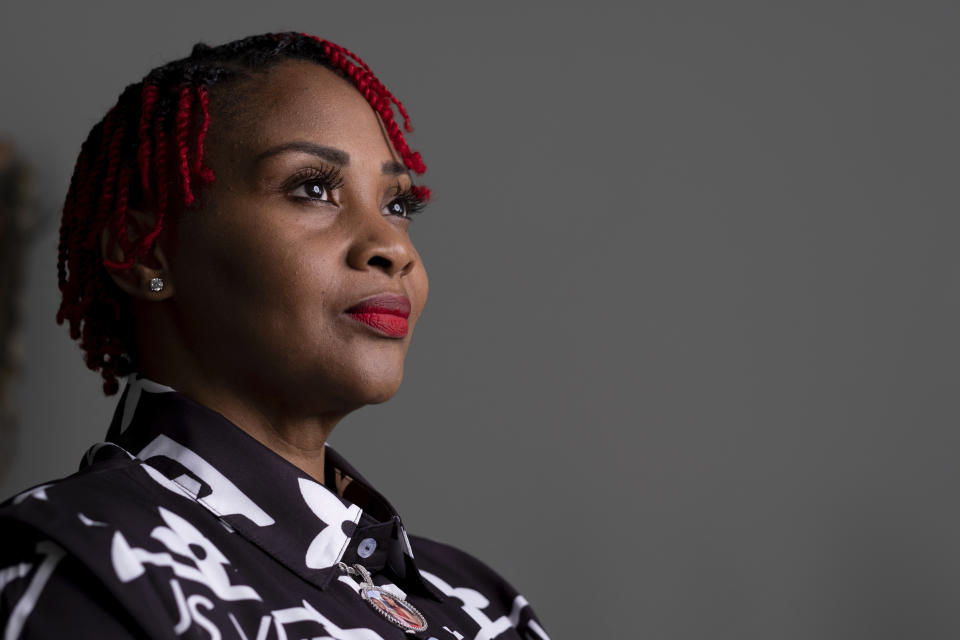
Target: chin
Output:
[
  {"x": 379, "y": 399},
  {"x": 378, "y": 373},
  {"x": 363, "y": 381},
  {"x": 380, "y": 388}
]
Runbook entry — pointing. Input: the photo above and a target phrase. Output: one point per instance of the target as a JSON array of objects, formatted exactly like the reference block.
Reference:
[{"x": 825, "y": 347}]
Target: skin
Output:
[{"x": 251, "y": 321}]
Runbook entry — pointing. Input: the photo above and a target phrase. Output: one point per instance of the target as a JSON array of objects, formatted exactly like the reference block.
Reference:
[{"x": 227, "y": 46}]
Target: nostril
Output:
[{"x": 380, "y": 261}]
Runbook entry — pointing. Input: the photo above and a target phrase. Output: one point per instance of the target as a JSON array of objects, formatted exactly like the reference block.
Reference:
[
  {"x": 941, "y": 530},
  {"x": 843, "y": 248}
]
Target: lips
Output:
[{"x": 386, "y": 314}]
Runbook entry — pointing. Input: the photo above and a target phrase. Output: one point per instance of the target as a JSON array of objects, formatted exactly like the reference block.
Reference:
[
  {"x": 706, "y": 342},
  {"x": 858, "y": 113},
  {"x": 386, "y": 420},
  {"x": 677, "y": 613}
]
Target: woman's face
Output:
[{"x": 299, "y": 228}]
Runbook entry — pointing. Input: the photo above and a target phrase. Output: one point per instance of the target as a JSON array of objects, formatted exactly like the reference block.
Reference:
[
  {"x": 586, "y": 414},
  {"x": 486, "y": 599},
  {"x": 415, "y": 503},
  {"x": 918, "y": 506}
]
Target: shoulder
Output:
[
  {"x": 46, "y": 592},
  {"x": 50, "y": 581},
  {"x": 111, "y": 486},
  {"x": 75, "y": 517},
  {"x": 458, "y": 566},
  {"x": 83, "y": 513},
  {"x": 485, "y": 595},
  {"x": 73, "y": 549},
  {"x": 92, "y": 514}
]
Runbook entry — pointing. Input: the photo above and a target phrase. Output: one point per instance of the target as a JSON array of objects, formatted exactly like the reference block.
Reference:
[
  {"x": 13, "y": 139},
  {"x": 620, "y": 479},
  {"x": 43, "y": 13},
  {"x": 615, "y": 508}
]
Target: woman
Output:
[{"x": 235, "y": 242}]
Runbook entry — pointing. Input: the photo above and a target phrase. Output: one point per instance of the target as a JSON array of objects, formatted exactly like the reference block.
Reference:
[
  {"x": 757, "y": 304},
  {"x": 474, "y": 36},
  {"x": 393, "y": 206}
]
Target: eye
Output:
[
  {"x": 397, "y": 207},
  {"x": 406, "y": 202},
  {"x": 311, "y": 190},
  {"x": 314, "y": 185}
]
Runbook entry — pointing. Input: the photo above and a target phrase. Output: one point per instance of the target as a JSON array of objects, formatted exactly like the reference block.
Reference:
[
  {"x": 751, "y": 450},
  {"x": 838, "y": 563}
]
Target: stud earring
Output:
[{"x": 156, "y": 284}]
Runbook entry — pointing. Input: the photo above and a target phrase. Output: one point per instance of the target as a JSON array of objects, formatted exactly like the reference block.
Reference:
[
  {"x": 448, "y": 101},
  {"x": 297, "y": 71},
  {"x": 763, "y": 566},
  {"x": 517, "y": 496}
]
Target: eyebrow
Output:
[
  {"x": 394, "y": 168},
  {"x": 330, "y": 154}
]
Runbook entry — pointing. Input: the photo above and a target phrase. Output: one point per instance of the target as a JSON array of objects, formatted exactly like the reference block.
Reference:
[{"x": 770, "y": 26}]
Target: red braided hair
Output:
[{"x": 148, "y": 153}]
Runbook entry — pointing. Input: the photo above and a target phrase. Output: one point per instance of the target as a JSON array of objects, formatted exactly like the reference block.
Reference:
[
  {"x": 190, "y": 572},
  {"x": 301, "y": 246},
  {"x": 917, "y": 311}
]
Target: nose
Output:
[{"x": 380, "y": 245}]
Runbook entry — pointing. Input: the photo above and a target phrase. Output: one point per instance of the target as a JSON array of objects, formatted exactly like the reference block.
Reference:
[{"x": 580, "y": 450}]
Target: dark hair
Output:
[{"x": 147, "y": 152}]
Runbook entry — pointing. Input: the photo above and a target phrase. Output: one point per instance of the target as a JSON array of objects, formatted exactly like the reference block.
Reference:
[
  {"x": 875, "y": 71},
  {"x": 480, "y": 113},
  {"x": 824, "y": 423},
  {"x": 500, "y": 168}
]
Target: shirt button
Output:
[{"x": 366, "y": 547}]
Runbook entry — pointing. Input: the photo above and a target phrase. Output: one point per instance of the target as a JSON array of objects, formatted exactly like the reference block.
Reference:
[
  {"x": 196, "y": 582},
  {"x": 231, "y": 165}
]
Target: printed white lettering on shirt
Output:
[
  {"x": 328, "y": 547},
  {"x": 40, "y": 493},
  {"x": 262, "y": 631},
  {"x": 26, "y": 603},
  {"x": 188, "y": 609},
  {"x": 13, "y": 572},
  {"x": 130, "y": 562},
  {"x": 307, "y": 613},
  {"x": 225, "y": 498},
  {"x": 536, "y": 628},
  {"x": 473, "y": 601},
  {"x": 90, "y": 522}
]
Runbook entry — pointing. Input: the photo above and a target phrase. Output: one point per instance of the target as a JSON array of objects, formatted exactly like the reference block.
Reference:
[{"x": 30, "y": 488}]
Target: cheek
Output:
[
  {"x": 419, "y": 286},
  {"x": 422, "y": 289},
  {"x": 284, "y": 286},
  {"x": 250, "y": 280}
]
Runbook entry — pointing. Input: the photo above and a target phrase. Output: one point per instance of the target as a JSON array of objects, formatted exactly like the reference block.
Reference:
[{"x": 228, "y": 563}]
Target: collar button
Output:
[{"x": 366, "y": 547}]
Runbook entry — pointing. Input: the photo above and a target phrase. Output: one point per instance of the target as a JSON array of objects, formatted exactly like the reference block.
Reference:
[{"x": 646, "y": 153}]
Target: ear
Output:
[{"x": 149, "y": 278}]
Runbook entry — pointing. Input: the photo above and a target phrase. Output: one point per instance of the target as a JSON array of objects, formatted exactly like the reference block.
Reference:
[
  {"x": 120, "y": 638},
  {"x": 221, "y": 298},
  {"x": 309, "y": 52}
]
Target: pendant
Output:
[{"x": 389, "y": 605}]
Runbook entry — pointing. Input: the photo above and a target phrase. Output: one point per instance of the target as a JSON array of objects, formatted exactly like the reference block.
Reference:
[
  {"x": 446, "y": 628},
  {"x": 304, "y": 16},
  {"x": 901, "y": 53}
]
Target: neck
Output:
[
  {"x": 300, "y": 440},
  {"x": 297, "y": 434},
  {"x": 294, "y": 422}
]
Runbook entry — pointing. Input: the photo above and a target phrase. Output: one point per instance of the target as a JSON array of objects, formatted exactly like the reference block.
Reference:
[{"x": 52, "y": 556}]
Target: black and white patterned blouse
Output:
[{"x": 183, "y": 526}]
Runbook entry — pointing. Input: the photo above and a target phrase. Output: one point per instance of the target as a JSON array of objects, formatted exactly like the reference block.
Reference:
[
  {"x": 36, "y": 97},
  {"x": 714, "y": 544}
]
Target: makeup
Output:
[{"x": 385, "y": 313}]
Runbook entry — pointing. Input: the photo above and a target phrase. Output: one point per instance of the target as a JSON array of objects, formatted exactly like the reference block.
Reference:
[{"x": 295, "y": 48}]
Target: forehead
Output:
[{"x": 300, "y": 101}]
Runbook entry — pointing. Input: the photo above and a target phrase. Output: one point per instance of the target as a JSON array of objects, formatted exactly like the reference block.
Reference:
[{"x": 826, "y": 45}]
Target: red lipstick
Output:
[{"x": 385, "y": 313}]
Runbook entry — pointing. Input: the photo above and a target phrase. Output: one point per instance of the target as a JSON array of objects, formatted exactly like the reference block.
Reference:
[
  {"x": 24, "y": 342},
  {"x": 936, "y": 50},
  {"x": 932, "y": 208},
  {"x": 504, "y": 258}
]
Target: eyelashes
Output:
[
  {"x": 317, "y": 184},
  {"x": 312, "y": 184},
  {"x": 410, "y": 198}
]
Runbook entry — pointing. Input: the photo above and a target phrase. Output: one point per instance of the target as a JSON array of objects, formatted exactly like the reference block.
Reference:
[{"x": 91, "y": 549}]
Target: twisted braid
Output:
[{"x": 148, "y": 153}]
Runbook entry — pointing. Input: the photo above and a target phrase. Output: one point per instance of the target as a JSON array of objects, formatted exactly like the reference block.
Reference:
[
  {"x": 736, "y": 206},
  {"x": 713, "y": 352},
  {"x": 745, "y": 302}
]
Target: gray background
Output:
[{"x": 689, "y": 367}]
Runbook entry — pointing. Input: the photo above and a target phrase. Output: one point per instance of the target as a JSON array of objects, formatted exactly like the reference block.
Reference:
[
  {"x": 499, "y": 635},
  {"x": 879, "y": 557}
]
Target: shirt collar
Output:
[{"x": 197, "y": 453}]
